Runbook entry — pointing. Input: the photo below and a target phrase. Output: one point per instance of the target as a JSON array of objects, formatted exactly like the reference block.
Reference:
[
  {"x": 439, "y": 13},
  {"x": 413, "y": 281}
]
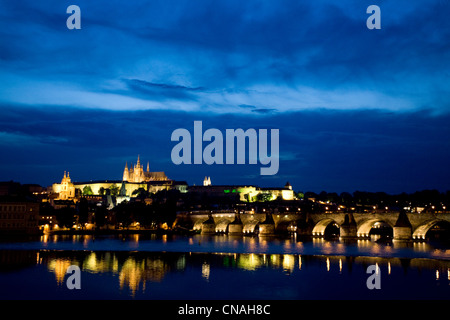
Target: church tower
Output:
[
  {"x": 126, "y": 173},
  {"x": 66, "y": 188},
  {"x": 207, "y": 181}
]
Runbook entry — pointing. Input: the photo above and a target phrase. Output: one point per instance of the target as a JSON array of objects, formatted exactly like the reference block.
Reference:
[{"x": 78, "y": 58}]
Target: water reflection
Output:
[
  {"x": 134, "y": 270},
  {"x": 134, "y": 273},
  {"x": 228, "y": 243}
]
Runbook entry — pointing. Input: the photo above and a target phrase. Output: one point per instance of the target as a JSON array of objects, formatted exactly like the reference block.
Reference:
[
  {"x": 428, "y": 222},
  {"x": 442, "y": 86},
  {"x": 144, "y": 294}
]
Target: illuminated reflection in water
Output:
[
  {"x": 246, "y": 244},
  {"x": 218, "y": 275},
  {"x": 221, "y": 267}
]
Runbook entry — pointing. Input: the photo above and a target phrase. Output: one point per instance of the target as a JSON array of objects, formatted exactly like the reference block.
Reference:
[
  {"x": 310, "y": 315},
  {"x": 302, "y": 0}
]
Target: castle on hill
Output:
[
  {"x": 137, "y": 174},
  {"x": 135, "y": 178}
]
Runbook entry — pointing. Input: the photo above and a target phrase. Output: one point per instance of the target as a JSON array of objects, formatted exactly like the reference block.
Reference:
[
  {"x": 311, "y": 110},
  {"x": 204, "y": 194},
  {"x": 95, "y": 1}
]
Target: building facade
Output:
[
  {"x": 19, "y": 217},
  {"x": 244, "y": 193},
  {"x": 65, "y": 189}
]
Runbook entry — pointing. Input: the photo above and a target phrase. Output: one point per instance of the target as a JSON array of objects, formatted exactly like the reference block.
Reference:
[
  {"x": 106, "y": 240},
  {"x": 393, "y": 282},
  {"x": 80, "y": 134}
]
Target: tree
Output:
[
  {"x": 264, "y": 197},
  {"x": 141, "y": 193},
  {"x": 100, "y": 216},
  {"x": 114, "y": 189},
  {"x": 101, "y": 191},
  {"x": 83, "y": 211},
  {"x": 87, "y": 191},
  {"x": 123, "y": 214},
  {"x": 65, "y": 217}
]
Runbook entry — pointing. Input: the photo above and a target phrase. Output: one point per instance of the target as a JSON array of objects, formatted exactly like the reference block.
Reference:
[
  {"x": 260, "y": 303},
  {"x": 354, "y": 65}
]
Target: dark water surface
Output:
[{"x": 220, "y": 267}]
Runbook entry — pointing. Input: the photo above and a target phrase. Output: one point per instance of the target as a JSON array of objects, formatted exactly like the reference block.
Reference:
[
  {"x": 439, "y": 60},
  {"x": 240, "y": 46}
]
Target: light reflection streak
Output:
[{"x": 136, "y": 273}]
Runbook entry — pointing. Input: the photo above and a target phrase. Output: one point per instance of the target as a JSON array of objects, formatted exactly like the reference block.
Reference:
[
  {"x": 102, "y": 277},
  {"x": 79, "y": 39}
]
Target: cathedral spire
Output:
[
  {"x": 148, "y": 166},
  {"x": 126, "y": 173}
]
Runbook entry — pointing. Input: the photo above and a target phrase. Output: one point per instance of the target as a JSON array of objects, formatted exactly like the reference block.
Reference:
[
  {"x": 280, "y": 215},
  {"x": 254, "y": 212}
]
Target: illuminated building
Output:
[
  {"x": 65, "y": 189},
  {"x": 136, "y": 174},
  {"x": 134, "y": 178},
  {"x": 245, "y": 193}
]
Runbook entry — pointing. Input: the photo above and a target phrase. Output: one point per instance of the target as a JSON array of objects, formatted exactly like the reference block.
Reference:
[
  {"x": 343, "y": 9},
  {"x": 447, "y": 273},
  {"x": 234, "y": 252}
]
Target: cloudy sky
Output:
[{"x": 357, "y": 109}]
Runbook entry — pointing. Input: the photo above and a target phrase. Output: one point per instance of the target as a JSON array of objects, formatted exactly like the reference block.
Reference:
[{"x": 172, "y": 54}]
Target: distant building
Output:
[
  {"x": 9, "y": 188},
  {"x": 245, "y": 193},
  {"x": 207, "y": 181},
  {"x": 134, "y": 178},
  {"x": 17, "y": 216},
  {"x": 65, "y": 189},
  {"x": 136, "y": 174}
]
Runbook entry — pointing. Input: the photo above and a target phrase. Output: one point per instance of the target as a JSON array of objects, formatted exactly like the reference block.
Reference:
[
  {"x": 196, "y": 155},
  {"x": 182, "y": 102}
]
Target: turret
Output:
[
  {"x": 126, "y": 173},
  {"x": 207, "y": 181}
]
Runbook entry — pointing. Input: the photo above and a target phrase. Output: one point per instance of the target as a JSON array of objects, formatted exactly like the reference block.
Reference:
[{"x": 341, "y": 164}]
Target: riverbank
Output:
[{"x": 122, "y": 231}]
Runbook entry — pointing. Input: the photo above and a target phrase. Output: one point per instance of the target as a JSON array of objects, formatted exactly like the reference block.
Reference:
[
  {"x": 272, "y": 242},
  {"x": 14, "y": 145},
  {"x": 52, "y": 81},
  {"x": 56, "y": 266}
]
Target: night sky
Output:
[{"x": 357, "y": 109}]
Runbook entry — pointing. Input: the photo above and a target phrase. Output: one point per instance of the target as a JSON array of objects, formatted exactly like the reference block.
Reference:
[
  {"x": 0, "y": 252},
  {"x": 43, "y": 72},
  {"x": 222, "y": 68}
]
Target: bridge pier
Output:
[
  {"x": 267, "y": 227},
  {"x": 348, "y": 229},
  {"x": 305, "y": 225},
  {"x": 209, "y": 226},
  {"x": 402, "y": 228},
  {"x": 236, "y": 227}
]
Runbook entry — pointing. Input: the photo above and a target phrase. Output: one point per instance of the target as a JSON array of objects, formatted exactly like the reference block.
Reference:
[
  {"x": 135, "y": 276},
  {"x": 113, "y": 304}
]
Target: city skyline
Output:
[{"x": 357, "y": 109}]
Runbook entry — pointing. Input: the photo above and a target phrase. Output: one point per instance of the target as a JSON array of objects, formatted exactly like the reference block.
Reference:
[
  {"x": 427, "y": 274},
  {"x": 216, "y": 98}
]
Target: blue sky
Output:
[{"x": 357, "y": 109}]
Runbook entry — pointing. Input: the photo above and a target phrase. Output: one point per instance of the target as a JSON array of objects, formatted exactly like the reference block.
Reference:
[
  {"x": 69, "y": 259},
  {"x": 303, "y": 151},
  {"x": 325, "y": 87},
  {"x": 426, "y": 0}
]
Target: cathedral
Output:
[{"x": 137, "y": 174}]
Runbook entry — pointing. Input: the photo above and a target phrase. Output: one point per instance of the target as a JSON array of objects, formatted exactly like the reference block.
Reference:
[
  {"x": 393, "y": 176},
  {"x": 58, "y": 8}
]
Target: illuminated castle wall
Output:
[{"x": 134, "y": 178}]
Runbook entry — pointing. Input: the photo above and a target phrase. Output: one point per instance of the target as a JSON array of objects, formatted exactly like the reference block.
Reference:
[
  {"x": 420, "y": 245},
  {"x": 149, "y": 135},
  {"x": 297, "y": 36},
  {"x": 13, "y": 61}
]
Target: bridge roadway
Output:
[{"x": 351, "y": 225}]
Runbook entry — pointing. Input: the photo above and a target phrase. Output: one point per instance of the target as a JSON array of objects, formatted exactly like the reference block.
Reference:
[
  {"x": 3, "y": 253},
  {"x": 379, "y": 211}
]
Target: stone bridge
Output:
[{"x": 406, "y": 226}]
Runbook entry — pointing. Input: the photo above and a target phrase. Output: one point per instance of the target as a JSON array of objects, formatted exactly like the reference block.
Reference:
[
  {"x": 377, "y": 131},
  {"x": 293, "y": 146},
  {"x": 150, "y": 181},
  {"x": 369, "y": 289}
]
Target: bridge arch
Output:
[
  {"x": 198, "y": 224},
  {"x": 251, "y": 227},
  {"x": 320, "y": 226},
  {"x": 421, "y": 231},
  {"x": 365, "y": 227},
  {"x": 222, "y": 225}
]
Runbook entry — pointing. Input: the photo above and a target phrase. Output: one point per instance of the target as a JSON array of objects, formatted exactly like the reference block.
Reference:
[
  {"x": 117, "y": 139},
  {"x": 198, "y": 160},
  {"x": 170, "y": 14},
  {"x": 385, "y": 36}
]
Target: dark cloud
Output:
[
  {"x": 265, "y": 111},
  {"x": 356, "y": 109},
  {"x": 161, "y": 90},
  {"x": 335, "y": 151}
]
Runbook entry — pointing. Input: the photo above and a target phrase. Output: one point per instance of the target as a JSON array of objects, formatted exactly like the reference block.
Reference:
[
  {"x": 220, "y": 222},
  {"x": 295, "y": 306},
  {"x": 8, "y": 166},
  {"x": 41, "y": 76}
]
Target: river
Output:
[{"x": 220, "y": 267}]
